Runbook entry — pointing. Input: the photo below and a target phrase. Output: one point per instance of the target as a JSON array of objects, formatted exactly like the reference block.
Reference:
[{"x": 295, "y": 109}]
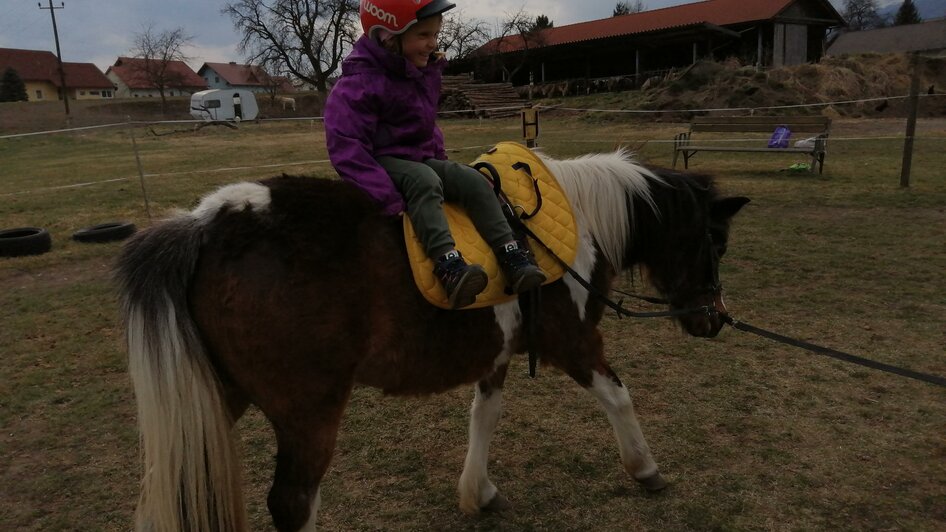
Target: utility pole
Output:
[{"x": 62, "y": 73}]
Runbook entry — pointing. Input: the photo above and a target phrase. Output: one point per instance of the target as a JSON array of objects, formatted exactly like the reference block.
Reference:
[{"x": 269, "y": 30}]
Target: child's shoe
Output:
[
  {"x": 462, "y": 281},
  {"x": 519, "y": 267}
]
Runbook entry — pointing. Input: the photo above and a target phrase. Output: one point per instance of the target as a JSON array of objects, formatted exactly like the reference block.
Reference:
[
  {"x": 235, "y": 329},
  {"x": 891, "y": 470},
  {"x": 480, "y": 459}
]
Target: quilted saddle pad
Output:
[{"x": 521, "y": 174}]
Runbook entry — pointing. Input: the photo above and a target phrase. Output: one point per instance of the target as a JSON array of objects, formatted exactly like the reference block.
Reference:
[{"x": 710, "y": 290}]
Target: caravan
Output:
[{"x": 224, "y": 105}]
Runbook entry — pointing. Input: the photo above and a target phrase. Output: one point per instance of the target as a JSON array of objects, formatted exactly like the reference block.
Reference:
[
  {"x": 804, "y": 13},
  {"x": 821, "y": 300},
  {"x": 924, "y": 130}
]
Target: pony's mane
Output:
[{"x": 601, "y": 187}]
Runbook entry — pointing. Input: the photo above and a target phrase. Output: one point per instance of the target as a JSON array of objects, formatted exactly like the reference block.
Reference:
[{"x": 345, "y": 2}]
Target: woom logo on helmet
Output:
[{"x": 378, "y": 12}]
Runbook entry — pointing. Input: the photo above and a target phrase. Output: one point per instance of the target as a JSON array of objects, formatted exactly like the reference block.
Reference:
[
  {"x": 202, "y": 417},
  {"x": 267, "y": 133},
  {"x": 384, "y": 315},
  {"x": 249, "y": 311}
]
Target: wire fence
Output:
[{"x": 131, "y": 124}]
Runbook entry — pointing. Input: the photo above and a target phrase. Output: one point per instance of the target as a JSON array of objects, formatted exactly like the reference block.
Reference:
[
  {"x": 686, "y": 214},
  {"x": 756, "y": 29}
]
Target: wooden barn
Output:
[{"x": 757, "y": 32}]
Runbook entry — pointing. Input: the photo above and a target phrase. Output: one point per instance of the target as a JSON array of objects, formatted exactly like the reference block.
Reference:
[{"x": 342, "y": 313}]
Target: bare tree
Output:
[
  {"x": 626, "y": 8},
  {"x": 308, "y": 38},
  {"x": 461, "y": 35},
  {"x": 517, "y": 32},
  {"x": 862, "y": 15},
  {"x": 157, "y": 50}
]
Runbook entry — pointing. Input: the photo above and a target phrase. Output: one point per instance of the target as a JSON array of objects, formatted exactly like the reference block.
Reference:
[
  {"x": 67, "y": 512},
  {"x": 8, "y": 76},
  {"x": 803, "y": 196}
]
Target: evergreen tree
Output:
[
  {"x": 907, "y": 14},
  {"x": 542, "y": 22},
  {"x": 12, "y": 88},
  {"x": 626, "y": 8}
]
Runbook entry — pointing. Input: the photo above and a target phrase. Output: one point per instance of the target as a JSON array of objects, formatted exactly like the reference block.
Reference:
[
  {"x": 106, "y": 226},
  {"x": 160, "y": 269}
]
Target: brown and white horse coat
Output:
[{"x": 284, "y": 294}]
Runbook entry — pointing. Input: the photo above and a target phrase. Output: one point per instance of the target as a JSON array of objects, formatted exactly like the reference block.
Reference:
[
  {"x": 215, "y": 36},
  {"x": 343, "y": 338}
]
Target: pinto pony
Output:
[{"x": 287, "y": 293}]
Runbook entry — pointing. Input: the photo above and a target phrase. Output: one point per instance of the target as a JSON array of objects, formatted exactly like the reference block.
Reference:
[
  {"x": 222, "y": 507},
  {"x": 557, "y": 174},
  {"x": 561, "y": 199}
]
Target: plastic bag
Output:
[
  {"x": 780, "y": 137},
  {"x": 806, "y": 143}
]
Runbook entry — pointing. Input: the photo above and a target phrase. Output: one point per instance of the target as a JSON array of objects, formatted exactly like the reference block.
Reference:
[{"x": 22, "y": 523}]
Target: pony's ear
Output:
[{"x": 726, "y": 208}]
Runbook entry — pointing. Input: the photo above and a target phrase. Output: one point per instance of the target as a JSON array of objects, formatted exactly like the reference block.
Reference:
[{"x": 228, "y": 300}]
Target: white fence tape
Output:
[{"x": 508, "y": 108}]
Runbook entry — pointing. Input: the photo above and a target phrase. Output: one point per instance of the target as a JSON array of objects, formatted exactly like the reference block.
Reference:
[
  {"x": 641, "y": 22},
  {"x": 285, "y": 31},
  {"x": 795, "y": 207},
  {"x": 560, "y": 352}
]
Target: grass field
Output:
[{"x": 752, "y": 435}]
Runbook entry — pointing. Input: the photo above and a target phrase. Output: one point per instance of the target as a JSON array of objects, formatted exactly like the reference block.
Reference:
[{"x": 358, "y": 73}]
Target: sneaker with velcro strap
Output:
[{"x": 460, "y": 280}]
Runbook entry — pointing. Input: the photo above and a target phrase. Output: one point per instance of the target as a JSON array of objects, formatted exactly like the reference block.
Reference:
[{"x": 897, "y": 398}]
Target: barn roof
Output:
[
  {"x": 709, "y": 13},
  {"x": 132, "y": 72},
  {"x": 41, "y": 65},
  {"x": 925, "y": 36}
]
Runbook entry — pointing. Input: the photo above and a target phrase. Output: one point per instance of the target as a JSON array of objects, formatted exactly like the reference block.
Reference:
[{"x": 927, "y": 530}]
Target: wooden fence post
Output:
[{"x": 914, "y": 102}]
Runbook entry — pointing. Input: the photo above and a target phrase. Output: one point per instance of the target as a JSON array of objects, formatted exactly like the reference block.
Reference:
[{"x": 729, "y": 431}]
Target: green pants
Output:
[{"x": 425, "y": 186}]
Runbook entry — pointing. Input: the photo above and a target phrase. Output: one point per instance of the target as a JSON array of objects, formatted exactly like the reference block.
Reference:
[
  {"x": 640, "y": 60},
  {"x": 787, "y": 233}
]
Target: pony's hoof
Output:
[
  {"x": 653, "y": 483},
  {"x": 497, "y": 504}
]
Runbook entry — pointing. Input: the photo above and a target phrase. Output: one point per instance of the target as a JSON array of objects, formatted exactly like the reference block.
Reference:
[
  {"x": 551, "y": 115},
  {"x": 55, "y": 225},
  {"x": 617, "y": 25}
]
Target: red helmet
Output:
[{"x": 396, "y": 16}]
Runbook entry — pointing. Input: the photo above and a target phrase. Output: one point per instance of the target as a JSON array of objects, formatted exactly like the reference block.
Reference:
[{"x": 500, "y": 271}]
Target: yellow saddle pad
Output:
[{"x": 553, "y": 223}]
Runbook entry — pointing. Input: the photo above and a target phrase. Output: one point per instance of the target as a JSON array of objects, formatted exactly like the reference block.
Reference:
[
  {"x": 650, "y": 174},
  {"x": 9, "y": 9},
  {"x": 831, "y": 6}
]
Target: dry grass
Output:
[{"x": 753, "y": 435}]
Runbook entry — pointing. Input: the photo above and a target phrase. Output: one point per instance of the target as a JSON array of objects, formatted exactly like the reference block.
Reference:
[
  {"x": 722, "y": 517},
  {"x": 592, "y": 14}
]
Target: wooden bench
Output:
[{"x": 801, "y": 127}]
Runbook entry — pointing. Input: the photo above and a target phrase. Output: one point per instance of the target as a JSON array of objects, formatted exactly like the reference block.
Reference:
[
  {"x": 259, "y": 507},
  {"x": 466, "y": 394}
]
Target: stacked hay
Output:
[{"x": 711, "y": 85}]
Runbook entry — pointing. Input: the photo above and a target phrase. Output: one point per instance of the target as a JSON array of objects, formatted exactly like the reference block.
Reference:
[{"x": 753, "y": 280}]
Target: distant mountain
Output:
[{"x": 928, "y": 9}]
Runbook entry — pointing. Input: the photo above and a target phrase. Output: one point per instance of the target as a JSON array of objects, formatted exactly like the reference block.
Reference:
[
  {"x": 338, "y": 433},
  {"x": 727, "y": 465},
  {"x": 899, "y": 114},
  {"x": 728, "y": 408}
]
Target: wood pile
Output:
[{"x": 461, "y": 93}]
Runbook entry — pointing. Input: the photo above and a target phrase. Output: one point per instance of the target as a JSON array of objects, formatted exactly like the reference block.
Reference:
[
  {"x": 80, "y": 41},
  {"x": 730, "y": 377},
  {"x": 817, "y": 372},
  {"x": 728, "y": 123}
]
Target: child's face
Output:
[{"x": 420, "y": 40}]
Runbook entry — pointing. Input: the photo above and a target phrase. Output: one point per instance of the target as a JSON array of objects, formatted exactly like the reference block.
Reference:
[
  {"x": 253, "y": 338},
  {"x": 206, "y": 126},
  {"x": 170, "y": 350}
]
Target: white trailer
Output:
[{"x": 224, "y": 105}]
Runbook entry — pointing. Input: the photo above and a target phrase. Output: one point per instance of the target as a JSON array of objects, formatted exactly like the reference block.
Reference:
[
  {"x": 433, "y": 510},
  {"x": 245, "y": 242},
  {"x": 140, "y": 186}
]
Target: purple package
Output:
[{"x": 780, "y": 137}]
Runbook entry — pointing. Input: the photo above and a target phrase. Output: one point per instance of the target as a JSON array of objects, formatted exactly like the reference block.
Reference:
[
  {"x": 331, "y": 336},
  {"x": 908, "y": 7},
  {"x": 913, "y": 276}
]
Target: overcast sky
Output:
[{"x": 98, "y": 31}]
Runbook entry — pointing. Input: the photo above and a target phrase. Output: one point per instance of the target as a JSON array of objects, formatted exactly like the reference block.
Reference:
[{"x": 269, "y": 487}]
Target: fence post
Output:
[
  {"x": 530, "y": 125},
  {"x": 914, "y": 103},
  {"x": 141, "y": 174}
]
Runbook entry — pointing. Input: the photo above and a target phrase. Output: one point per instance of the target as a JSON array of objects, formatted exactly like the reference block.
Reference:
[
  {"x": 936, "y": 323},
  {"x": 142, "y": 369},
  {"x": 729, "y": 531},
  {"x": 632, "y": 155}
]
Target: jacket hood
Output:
[{"x": 369, "y": 55}]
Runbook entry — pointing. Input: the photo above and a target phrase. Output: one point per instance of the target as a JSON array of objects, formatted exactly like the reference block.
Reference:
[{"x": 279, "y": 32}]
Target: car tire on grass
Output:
[
  {"x": 24, "y": 241},
  {"x": 107, "y": 232}
]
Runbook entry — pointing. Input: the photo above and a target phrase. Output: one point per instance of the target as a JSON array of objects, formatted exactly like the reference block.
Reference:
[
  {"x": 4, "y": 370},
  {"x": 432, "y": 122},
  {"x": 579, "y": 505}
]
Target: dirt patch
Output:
[{"x": 69, "y": 273}]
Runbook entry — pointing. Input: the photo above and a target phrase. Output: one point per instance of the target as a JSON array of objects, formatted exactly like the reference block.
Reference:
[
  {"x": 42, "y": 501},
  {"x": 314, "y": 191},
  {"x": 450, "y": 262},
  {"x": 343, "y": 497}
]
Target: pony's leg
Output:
[
  {"x": 476, "y": 491},
  {"x": 305, "y": 444},
  {"x": 613, "y": 396}
]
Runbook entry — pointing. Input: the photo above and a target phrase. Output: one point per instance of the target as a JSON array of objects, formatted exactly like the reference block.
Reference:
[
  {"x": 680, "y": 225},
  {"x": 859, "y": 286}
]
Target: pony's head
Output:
[
  {"x": 673, "y": 225},
  {"x": 680, "y": 244}
]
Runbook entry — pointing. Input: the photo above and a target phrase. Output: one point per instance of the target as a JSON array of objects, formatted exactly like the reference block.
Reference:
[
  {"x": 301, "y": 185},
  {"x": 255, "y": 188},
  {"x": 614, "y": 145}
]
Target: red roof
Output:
[
  {"x": 716, "y": 12},
  {"x": 132, "y": 71},
  {"x": 40, "y": 65},
  {"x": 235, "y": 74},
  {"x": 86, "y": 76},
  {"x": 247, "y": 75}
]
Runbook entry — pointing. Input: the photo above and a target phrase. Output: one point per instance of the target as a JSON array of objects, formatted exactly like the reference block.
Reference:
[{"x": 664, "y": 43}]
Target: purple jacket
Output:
[{"x": 382, "y": 105}]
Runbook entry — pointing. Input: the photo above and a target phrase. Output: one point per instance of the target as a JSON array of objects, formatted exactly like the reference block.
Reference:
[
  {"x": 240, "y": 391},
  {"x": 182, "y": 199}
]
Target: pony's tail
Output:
[{"x": 191, "y": 477}]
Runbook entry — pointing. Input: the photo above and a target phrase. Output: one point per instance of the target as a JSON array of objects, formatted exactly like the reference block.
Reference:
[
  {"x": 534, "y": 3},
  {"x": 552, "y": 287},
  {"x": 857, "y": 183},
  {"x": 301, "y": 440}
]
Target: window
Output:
[
  {"x": 216, "y": 79},
  {"x": 212, "y": 104},
  {"x": 106, "y": 94},
  {"x": 39, "y": 94},
  {"x": 81, "y": 93},
  {"x": 93, "y": 93}
]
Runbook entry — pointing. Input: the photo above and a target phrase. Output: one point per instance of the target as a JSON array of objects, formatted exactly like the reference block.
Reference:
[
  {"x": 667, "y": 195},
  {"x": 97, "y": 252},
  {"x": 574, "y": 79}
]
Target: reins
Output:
[
  {"x": 530, "y": 304},
  {"x": 531, "y": 308}
]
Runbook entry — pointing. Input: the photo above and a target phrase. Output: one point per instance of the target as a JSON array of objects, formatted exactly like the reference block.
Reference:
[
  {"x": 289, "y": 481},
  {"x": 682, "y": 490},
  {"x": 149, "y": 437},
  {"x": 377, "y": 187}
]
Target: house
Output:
[
  {"x": 130, "y": 75},
  {"x": 39, "y": 70},
  {"x": 248, "y": 77},
  {"x": 928, "y": 37},
  {"x": 767, "y": 33}
]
